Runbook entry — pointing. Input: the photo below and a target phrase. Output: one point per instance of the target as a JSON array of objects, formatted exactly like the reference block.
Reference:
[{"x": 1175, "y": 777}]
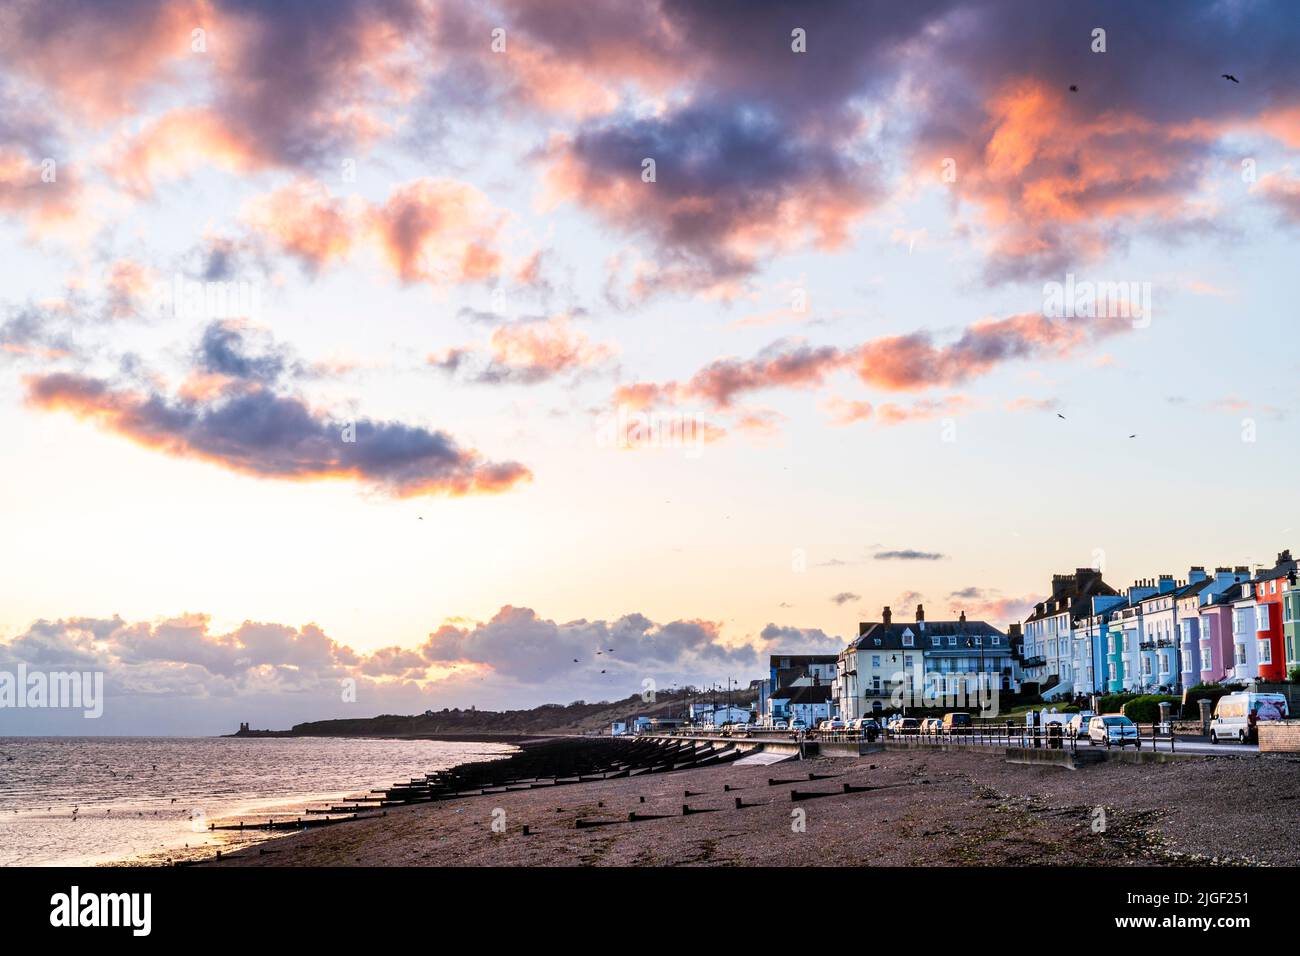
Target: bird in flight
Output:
[
  {"x": 1060, "y": 416},
  {"x": 1073, "y": 88},
  {"x": 575, "y": 660},
  {"x": 1230, "y": 77},
  {"x": 1132, "y": 436}
]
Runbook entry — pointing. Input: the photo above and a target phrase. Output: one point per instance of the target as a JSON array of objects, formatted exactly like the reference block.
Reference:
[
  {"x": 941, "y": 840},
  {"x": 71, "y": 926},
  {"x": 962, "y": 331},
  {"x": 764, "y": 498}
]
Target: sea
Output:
[{"x": 81, "y": 801}]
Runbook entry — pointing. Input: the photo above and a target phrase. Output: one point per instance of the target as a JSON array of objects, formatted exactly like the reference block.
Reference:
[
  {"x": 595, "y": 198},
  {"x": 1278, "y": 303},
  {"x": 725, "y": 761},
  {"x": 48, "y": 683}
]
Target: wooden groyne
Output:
[{"x": 558, "y": 762}]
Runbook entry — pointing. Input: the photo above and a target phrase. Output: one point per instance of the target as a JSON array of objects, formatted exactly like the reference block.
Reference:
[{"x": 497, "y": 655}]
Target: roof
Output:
[
  {"x": 810, "y": 695},
  {"x": 1181, "y": 591},
  {"x": 891, "y": 635},
  {"x": 799, "y": 660},
  {"x": 1227, "y": 596},
  {"x": 1072, "y": 594}
]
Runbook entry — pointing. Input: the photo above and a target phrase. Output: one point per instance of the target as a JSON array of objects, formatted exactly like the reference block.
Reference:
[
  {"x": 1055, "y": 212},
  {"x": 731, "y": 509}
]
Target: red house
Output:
[{"x": 1268, "y": 618}]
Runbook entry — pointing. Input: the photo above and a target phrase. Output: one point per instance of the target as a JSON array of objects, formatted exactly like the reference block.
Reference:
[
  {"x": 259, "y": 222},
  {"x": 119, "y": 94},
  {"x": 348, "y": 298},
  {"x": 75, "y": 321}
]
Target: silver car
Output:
[{"x": 1113, "y": 730}]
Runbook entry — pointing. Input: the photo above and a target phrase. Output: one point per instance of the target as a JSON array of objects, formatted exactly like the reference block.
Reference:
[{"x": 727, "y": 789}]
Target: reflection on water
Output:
[{"x": 72, "y": 800}]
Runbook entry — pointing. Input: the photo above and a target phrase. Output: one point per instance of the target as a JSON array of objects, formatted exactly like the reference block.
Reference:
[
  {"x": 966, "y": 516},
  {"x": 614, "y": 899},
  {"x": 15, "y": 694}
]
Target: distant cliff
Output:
[{"x": 578, "y": 717}]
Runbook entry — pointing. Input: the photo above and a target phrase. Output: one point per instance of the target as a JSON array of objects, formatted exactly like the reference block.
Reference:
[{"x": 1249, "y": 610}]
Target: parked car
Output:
[
  {"x": 931, "y": 725},
  {"x": 777, "y": 724},
  {"x": 957, "y": 722},
  {"x": 907, "y": 725},
  {"x": 863, "y": 724},
  {"x": 832, "y": 725},
  {"x": 1077, "y": 726},
  {"x": 797, "y": 723},
  {"x": 1236, "y": 716},
  {"x": 1113, "y": 730}
]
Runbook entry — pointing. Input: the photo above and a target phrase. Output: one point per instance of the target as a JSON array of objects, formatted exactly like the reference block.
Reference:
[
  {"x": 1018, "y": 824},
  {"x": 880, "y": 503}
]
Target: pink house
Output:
[{"x": 1217, "y": 653}]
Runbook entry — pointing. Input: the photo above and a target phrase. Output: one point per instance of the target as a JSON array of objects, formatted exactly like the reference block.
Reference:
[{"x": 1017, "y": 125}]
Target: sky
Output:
[{"x": 331, "y": 335}]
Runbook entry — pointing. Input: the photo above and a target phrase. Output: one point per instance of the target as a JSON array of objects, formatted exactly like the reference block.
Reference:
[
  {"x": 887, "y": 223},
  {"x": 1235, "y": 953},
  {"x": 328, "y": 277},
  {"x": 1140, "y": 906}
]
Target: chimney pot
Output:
[{"x": 886, "y": 614}]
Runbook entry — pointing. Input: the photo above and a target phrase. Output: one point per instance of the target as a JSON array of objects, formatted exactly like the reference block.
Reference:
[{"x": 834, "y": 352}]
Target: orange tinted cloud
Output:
[
  {"x": 1051, "y": 178},
  {"x": 27, "y": 192},
  {"x": 526, "y": 353},
  {"x": 439, "y": 230},
  {"x": 176, "y": 144},
  {"x": 898, "y": 363},
  {"x": 305, "y": 221},
  {"x": 97, "y": 57},
  {"x": 911, "y": 362}
]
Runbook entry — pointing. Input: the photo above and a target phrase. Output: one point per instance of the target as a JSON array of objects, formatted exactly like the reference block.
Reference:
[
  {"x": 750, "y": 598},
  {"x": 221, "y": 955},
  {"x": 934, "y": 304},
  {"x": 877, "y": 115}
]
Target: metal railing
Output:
[{"x": 1154, "y": 737}]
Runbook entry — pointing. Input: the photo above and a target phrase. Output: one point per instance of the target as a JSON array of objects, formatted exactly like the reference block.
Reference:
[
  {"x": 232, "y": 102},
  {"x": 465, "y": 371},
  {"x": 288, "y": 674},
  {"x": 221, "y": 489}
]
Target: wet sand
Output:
[{"x": 932, "y": 808}]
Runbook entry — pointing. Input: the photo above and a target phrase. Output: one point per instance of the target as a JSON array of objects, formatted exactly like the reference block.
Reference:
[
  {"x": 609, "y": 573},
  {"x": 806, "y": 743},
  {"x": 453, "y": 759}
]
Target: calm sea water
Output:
[{"x": 152, "y": 797}]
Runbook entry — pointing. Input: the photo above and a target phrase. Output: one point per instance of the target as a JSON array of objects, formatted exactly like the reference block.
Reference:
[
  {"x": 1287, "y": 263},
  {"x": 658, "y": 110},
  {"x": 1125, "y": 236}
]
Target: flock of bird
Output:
[
  {"x": 1063, "y": 418},
  {"x": 1074, "y": 87}
]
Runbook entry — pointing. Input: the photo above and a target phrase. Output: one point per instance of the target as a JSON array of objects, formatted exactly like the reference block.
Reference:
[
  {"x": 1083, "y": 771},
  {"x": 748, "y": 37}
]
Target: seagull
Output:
[
  {"x": 1073, "y": 88},
  {"x": 1230, "y": 77},
  {"x": 575, "y": 660},
  {"x": 1060, "y": 416},
  {"x": 1132, "y": 436}
]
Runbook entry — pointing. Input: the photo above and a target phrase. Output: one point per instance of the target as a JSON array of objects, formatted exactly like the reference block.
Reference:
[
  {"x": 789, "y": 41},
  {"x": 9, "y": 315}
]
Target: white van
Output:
[{"x": 1236, "y": 715}]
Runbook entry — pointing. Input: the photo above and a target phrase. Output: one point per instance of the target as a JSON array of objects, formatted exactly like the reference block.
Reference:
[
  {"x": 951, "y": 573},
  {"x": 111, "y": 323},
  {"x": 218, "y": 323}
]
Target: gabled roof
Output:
[
  {"x": 809, "y": 695},
  {"x": 1072, "y": 594},
  {"x": 1181, "y": 591},
  {"x": 891, "y": 635}
]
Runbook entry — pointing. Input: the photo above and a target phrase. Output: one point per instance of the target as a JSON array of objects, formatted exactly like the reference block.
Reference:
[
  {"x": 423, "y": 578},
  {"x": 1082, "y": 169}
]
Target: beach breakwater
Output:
[{"x": 556, "y": 762}]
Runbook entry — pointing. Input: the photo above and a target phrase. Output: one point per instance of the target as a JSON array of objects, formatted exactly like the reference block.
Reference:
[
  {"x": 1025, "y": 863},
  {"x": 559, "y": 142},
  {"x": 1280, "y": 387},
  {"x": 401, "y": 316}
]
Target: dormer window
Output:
[
  {"x": 907, "y": 640},
  {"x": 934, "y": 642}
]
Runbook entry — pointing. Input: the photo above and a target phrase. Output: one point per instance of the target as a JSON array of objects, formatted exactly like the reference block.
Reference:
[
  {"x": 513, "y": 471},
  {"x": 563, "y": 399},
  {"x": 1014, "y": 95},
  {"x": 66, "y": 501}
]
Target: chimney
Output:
[
  {"x": 886, "y": 615},
  {"x": 963, "y": 617},
  {"x": 920, "y": 618},
  {"x": 1284, "y": 557},
  {"x": 1196, "y": 574}
]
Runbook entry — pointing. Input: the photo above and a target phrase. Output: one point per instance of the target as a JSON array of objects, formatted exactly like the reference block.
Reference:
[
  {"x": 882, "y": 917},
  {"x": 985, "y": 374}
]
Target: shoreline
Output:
[{"x": 907, "y": 807}]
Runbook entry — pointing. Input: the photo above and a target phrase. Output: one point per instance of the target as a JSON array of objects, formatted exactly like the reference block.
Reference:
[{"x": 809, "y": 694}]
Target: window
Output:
[
  {"x": 934, "y": 642},
  {"x": 995, "y": 641},
  {"x": 952, "y": 642},
  {"x": 1266, "y": 652},
  {"x": 1146, "y": 665},
  {"x": 875, "y": 660},
  {"x": 1272, "y": 587},
  {"x": 1261, "y": 617},
  {"x": 1241, "y": 655},
  {"x": 979, "y": 641},
  {"x": 907, "y": 640},
  {"x": 1207, "y": 656}
]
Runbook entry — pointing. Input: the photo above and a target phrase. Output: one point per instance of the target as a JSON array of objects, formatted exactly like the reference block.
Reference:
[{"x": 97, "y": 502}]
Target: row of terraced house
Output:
[{"x": 1162, "y": 633}]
